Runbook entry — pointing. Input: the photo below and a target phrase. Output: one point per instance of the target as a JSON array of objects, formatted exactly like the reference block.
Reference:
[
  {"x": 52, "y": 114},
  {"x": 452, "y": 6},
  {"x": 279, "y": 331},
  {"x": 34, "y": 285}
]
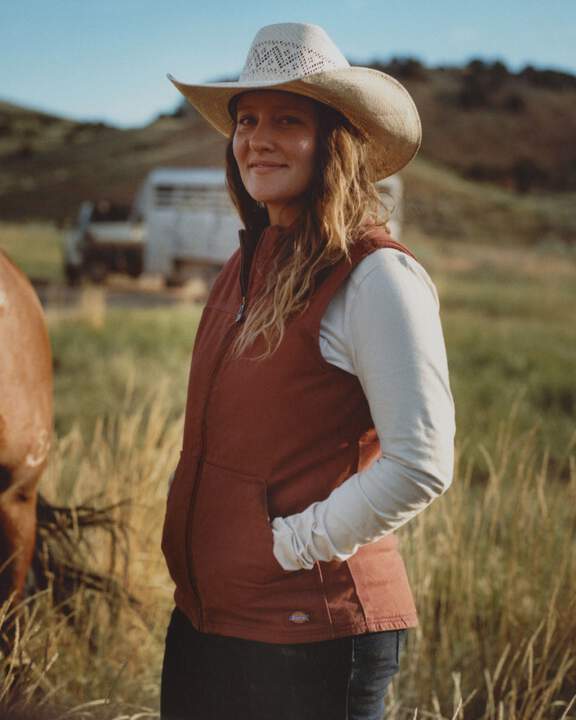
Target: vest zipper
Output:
[
  {"x": 245, "y": 273},
  {"x": 244, "y": 281},
  {"x": 240, "y": 313}
]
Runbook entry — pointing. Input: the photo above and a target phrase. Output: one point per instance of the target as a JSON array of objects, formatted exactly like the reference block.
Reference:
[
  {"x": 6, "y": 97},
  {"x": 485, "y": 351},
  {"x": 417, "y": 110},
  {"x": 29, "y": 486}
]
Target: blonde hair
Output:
[{"x": 342, "y": 199}]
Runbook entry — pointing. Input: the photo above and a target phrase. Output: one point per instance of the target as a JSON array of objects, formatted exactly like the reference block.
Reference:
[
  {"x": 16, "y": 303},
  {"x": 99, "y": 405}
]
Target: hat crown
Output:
[{"x": 288, "y": 51}]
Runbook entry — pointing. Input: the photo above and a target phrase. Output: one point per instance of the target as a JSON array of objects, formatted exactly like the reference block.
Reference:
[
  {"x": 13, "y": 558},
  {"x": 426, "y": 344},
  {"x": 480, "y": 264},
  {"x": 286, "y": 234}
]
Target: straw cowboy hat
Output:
[{"x": 302, "y": 59}]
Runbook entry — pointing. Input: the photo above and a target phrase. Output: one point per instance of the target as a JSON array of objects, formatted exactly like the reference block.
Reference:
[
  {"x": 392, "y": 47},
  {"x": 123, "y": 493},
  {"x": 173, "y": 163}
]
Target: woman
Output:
[{"x": 319, "y": 416}]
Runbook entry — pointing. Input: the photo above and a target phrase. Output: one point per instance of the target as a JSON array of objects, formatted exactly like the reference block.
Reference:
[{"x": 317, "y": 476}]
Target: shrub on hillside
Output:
[
  {"x": 23, "y": 151},
  {"x": 549, "y": 79},
  {"x": 480, "y": 83},
  {"x": 527, "y": 174},
  {"x": 513, "y": 103},
  {"x": 522, "y": 176},
  {"x": 403, "y": 68},
  {"x": 5, "y": 127},
  {"x": 566, "y": 177},
  {"x": 485, "y": 173}
]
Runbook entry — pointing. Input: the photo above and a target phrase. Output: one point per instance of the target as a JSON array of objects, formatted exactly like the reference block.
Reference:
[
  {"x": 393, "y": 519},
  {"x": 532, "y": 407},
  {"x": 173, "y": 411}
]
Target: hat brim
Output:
[{"x": 371, "y": 100}]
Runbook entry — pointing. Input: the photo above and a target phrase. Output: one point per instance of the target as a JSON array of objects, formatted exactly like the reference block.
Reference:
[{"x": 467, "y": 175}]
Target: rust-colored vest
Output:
[{"x": 264, "y": 439}]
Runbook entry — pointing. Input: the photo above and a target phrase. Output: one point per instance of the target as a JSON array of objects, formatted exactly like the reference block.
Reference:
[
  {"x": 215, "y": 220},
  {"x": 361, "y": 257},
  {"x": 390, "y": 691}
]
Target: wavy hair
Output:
[{"x": 341, "y": 201}]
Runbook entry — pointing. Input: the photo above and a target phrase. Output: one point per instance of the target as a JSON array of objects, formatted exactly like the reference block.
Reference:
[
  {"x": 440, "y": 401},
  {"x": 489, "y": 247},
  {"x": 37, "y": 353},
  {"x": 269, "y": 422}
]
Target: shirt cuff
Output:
[
  {"x": 282, "y": 548},
  {"x": 300, "y": 540}
]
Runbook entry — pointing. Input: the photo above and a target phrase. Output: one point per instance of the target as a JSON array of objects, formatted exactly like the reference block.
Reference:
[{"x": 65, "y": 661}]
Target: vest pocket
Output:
[
  {"x": 231, "y": 538},
  {"x": 175, "y": 521}
]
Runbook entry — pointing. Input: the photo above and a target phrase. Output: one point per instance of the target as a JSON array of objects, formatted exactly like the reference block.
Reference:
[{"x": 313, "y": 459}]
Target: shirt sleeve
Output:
[{"x": 388, "y": 332}]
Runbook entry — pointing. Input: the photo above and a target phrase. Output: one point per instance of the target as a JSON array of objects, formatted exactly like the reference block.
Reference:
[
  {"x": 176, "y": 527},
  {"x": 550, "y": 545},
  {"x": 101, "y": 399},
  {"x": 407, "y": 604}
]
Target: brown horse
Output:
[{"x": 25, "y": 422}]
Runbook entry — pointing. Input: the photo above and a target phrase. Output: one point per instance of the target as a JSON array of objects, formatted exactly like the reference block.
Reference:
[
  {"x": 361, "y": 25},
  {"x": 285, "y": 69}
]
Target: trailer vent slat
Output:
[{"x": 192, "y": 197}]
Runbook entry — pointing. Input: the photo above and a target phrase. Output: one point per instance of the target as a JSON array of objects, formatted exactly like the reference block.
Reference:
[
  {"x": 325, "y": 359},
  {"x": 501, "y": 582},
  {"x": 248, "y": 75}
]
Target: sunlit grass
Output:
[
  {"x": 109, "y": 669},
  {"x": 35, "y": 247},
  {"x": 492, "y": 563},
  {"x": 494, "y": 571},
  {"x": 97, "y": 362}
]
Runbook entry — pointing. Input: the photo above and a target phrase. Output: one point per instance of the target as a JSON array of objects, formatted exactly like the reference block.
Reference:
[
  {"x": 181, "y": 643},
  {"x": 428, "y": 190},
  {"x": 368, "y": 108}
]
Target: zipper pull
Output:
[{"x": 240, "y": 313}]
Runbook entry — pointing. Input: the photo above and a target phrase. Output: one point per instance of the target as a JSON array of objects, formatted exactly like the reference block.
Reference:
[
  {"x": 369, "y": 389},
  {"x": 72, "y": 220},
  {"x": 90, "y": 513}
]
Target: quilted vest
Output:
[{"x": 266, "y": 438}]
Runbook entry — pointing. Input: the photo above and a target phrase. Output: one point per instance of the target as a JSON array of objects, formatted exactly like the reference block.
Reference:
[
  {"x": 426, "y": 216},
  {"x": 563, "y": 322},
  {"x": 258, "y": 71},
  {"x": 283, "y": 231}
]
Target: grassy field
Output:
[
  {"x": 492, "y": 563},
  {"x": 36, "y": 247},
  {"x": 444, "y": 205}
]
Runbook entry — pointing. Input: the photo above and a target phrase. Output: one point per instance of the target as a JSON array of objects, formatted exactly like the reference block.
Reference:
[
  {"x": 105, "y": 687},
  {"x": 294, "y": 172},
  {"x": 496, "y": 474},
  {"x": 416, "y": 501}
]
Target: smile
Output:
[{"x": 263, "y": 167}]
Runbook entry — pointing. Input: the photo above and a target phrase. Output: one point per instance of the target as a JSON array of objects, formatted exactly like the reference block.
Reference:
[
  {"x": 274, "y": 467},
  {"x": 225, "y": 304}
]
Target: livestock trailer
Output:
[
  {"x": 190, "y": 222},
  {"x": 182, "y": 224}
]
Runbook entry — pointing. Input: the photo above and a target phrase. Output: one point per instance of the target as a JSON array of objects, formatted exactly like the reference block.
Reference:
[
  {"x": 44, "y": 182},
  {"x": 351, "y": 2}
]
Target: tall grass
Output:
[
  {"x": 93, "y": 662},
  {"x": 36, "y": 247},
  {"x": 492, "y": 564},
  {"x": 101, "y": 357},
  {"x": 494, "y": 569}
]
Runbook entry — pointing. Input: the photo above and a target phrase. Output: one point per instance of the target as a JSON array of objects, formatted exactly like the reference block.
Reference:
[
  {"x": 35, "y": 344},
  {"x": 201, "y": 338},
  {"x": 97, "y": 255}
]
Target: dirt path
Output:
[{"x": 119, "y": 291}]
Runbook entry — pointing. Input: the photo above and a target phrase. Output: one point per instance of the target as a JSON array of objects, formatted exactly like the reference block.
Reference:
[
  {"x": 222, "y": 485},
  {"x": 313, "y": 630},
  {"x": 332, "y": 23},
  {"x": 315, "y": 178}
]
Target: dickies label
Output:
[{"x": 299, "y": 617}]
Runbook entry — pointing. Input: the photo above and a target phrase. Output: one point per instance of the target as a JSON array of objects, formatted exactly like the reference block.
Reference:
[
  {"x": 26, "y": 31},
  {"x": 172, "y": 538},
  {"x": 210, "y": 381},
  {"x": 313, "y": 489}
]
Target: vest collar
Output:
[
  {"x": 249, "y": 239},
  {"x": 254, "y": 243}
]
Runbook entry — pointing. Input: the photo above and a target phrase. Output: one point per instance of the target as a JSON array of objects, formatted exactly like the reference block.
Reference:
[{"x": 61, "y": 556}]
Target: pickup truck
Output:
[{"x": 103, "y": 240}]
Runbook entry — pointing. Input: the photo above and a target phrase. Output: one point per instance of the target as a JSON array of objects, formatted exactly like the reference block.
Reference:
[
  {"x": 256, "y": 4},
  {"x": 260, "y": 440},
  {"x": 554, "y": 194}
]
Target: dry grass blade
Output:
[
  {"x": 570, "y": 705},
  {"x": 65, "y": 551}
]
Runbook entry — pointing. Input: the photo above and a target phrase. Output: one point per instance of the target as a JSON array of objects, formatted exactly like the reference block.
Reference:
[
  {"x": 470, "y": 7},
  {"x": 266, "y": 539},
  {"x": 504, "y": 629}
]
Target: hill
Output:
[
  {"x": 497, "y": 163},
  {"x": 48, "y": 165},
  {"x": 487, "y": 123}
]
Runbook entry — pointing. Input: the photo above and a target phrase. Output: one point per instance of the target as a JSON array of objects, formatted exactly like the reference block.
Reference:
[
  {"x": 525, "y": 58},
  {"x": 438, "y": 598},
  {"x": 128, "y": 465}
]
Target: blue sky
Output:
[{"x": 108, "y": 59}]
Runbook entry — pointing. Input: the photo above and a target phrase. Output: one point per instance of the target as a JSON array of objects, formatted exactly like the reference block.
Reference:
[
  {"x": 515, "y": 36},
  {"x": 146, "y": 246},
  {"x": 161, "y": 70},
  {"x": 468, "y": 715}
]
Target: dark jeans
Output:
[{"x": 212, "y": 677}]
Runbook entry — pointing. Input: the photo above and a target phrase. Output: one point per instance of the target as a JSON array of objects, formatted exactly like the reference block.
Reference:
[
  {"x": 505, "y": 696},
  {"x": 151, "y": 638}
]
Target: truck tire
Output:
[{"x": 177, "y": 277}]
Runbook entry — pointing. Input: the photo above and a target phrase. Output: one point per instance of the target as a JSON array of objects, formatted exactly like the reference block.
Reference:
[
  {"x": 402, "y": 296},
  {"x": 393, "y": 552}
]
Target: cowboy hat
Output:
[{"x": 302, "y": 59}]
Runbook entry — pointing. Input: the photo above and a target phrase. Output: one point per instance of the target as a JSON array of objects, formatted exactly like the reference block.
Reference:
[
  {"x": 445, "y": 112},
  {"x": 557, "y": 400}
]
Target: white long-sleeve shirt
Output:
[{"x": 383, "y": 326}]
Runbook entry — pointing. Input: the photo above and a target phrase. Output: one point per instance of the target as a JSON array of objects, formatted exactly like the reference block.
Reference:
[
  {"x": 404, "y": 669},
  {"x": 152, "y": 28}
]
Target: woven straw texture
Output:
[{"x": 301, "y": 58}]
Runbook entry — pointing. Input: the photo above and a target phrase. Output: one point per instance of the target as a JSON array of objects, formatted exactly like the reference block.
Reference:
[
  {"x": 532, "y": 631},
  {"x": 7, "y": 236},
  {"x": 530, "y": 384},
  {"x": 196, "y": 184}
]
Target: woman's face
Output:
[{"x": 274, "y": 146}]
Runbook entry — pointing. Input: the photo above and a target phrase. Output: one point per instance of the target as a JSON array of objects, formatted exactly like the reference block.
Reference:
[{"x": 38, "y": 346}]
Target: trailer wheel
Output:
[
  {"x": 177, "y": 276},
  {"x": 97, "y": 271},
  {"x": 134, "y": 265},
  {"x": 174, "y": 281},
  {"x": 73, "y": 275}
]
